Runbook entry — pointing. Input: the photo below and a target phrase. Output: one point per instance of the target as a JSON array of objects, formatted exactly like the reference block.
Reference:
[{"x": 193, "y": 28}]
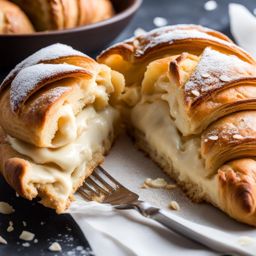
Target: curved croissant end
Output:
[{"x": 237, "y": 190}]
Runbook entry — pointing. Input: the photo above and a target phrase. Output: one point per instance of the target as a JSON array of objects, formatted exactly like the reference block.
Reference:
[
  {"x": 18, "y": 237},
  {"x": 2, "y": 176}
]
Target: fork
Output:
[{"x": 102, "y": 187}]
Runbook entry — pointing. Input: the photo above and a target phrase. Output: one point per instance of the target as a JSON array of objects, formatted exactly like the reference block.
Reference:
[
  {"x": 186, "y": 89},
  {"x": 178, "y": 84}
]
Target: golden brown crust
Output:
[
  {"x": 63, "y": 14},
  {"x": 131, "y": 57},
  {"x": 13, "y": 20},
  {"x": 208, "y": 83},
  {"x": 237, "y": 182},
  {"x": 14, "y": 168}
]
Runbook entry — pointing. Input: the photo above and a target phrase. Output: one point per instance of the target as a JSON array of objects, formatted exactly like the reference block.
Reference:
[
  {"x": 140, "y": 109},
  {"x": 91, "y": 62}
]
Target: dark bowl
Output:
[{"x": 88, "y": 39}]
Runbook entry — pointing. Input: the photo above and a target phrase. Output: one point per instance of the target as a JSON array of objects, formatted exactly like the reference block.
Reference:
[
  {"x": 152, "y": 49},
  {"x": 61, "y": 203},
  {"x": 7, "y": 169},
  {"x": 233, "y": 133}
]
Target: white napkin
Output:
[
  {"x": 126, "y": 233},
  {"x": 243, "y": 27},
  {"x": 121, "y": 233}
]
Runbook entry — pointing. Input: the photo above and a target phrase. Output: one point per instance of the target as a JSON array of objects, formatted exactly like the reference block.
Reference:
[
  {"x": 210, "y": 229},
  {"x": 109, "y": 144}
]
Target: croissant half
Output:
[
  {"x": 191, "y": 100},
  {"x": 57, "y": 123}
]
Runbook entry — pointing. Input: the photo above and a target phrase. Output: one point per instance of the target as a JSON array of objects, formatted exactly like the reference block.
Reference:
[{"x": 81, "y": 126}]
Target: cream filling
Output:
[
  {"x": 94, "y": 128},
  {"x": 161, "y": 134}
]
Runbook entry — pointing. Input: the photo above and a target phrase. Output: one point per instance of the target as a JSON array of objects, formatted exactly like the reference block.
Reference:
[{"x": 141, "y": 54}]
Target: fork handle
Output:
[{"x": 175, "y": 224}]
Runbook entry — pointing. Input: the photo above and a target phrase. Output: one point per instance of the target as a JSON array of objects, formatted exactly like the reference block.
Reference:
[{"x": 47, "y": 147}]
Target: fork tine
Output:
[
  {"x": 102, "y": 170},
  {"x": 84, "y": 194},
  {"x": 103, "y": 182},
  {"x": 96, "y": 186},
  {"x": 88, "y": 187}
]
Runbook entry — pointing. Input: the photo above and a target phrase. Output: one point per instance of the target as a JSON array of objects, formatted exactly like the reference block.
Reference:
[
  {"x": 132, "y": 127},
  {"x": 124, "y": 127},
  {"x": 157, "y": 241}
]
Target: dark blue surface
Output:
[{"x": 62, "y": 228}]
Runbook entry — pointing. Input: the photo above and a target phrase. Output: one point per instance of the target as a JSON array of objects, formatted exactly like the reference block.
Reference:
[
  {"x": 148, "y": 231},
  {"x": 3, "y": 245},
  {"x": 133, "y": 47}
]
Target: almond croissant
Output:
[
  {"x": 57, "y": 123},
  {"x": 191, "y": 100}
]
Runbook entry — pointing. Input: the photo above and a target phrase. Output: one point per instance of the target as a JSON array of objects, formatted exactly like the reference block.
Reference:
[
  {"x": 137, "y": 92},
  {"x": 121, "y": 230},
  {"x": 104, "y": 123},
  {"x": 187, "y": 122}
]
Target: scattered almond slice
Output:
[
  {"x": 139, "y": 32},
  {"x": 174, "y": 206},
  {"x": 2, "y": 240},
  {"x": 157, "y": 183},
  {"x": 26, "y": 244},
  {"x": 6, "y": 208},
  {"x": 26, "y": 236},
  {"x": 55, "y": 247}
]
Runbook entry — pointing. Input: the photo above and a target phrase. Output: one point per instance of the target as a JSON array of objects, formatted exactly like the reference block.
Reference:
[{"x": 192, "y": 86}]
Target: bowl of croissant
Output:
[{"x": 88, "y": 25}]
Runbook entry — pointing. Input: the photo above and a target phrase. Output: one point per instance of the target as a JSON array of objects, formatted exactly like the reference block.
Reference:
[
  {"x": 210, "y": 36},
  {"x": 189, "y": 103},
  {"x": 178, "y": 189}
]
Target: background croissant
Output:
[
  {"x": 13, "y": 20},
  {"x": 62, "y": 14},
  {"x": 191, "y": 96}
]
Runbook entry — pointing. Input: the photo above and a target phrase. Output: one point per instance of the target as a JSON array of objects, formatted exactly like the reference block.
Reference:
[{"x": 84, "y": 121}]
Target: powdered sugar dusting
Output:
[
  {"x": 51, "y": 52},
  {"x": 170, "y": 34},
  {"x": 28, "y": 79},
  {"x": 220, "y": 69}
]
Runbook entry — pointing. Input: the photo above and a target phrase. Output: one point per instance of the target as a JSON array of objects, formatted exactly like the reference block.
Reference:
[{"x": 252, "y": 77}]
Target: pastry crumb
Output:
[
  {"x": 157, "y": 183},
  {"x": 2, "y": 240},
  {"x": 24, "y": 223},
  {"x": 55, "y": 247},
  {"x": 210, "y": 5},
  {"x": 10, "y": 227},
  {"x": 246, "y": 240},
  {"x": 36, "y": 241},
  {"x": 139, "y": 32},
  {"x": 6, "y": 208},
  {"x": 174, "y": 206},
  {"x": 160, "y": 21},
  {"x": 26, "y": 236},
  {"x": 26, "y": 244}
]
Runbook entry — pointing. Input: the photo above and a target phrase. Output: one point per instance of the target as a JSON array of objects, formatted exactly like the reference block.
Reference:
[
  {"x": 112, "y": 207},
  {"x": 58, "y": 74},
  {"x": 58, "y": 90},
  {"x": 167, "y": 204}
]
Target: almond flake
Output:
[
  {"x": 2, "y": 240},
  {"x": 205, "y": 75},
  {"x": 160, "y": 21},
  {"x": 139, "y": 32},
  {"x": 213, "y": 137},
  {"x": 6, "y": 208},
  {"x": 26, "y": 236},
  {"x": 10, "y": 228},
  {"x": 195, "y": 93},
  {"x": 157, "y": 183},
  {"x": 210, "y": 5},
  {"x": 55, "y": 247},
  {"x": 174, "y": 206},
  {"x": 224, "y": 78},
  {"x": 238, "y": 137}
]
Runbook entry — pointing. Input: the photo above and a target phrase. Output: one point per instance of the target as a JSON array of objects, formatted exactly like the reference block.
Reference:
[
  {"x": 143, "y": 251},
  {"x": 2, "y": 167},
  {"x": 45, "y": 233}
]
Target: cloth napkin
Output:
[{"x": 126, "y": 233}]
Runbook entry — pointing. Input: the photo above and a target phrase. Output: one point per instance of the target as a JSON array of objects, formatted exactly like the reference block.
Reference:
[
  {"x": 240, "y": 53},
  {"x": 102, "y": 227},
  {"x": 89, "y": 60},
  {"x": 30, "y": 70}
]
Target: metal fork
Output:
[{"x": 102, "y": 187}]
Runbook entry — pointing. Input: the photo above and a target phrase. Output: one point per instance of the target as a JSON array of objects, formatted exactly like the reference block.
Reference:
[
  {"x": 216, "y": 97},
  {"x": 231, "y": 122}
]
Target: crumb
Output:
[
  {"x": 6, "y": 208},
  {"x": 17, "y": 195},
  {"x": 10, "y": 228},
  {"x": 24, "y": 223},
  {"x": 174, "y": 206},
  {"x": 26, "y": 236},
  {"x": 42, "y": 223},
  {"x": 2, "y": 240},
  {"x": 224, "y": 78},
  {"x": 26, "y": 244},
  {"x": 213, "y": 137},
  {"x": 139, "y": 32},
  {"x": 210, "y": 5},
  {"x": 36, "y": 241},
  {"x": 246, "y": 240},
  {"x": 157, "y": 183},
  {"x": 55, "y": 247},
  {"x": 195, "y": 93},
  {"x": 160, "y": 21}
]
